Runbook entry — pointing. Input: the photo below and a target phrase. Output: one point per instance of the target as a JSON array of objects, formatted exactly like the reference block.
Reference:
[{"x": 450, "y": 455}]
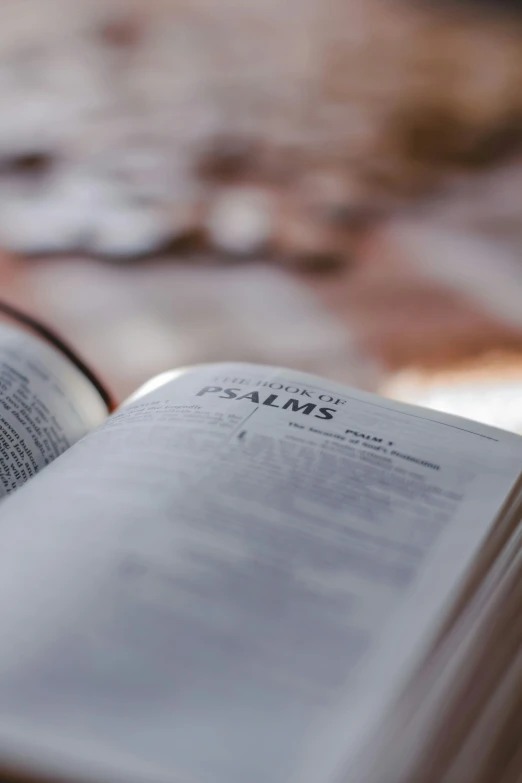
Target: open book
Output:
[{"x": 247, "y": 574}]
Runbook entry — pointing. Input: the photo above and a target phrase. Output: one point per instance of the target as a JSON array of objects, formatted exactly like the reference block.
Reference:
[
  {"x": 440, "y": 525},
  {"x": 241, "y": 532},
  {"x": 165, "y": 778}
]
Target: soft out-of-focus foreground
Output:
[{"x": 424, "y": 301}]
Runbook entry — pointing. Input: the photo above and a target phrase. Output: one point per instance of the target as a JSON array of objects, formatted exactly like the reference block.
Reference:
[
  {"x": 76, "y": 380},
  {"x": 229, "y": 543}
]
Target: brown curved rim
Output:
[{"x": 51, "y": 337}]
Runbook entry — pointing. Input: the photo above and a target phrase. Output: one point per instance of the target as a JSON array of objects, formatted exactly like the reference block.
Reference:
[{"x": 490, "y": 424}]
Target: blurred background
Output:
[{"x": 426, "y": 308}]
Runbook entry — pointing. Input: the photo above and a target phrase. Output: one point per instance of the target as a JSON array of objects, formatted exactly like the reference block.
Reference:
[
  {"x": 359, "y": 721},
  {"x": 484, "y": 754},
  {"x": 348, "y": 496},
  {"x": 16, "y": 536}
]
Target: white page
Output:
[
  {"x": 214, "y": 589},
  {"x": 46, "y": 405}
]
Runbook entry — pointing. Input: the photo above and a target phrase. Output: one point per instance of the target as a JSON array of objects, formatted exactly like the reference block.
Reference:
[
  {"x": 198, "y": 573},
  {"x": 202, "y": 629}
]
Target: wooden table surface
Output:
[{"x": 361, "y": 324}]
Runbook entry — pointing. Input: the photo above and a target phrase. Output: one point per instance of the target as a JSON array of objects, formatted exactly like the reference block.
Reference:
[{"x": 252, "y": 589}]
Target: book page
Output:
[
  {"x": 232, "y": 577},
  {"x": 46, "y": 405}
]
